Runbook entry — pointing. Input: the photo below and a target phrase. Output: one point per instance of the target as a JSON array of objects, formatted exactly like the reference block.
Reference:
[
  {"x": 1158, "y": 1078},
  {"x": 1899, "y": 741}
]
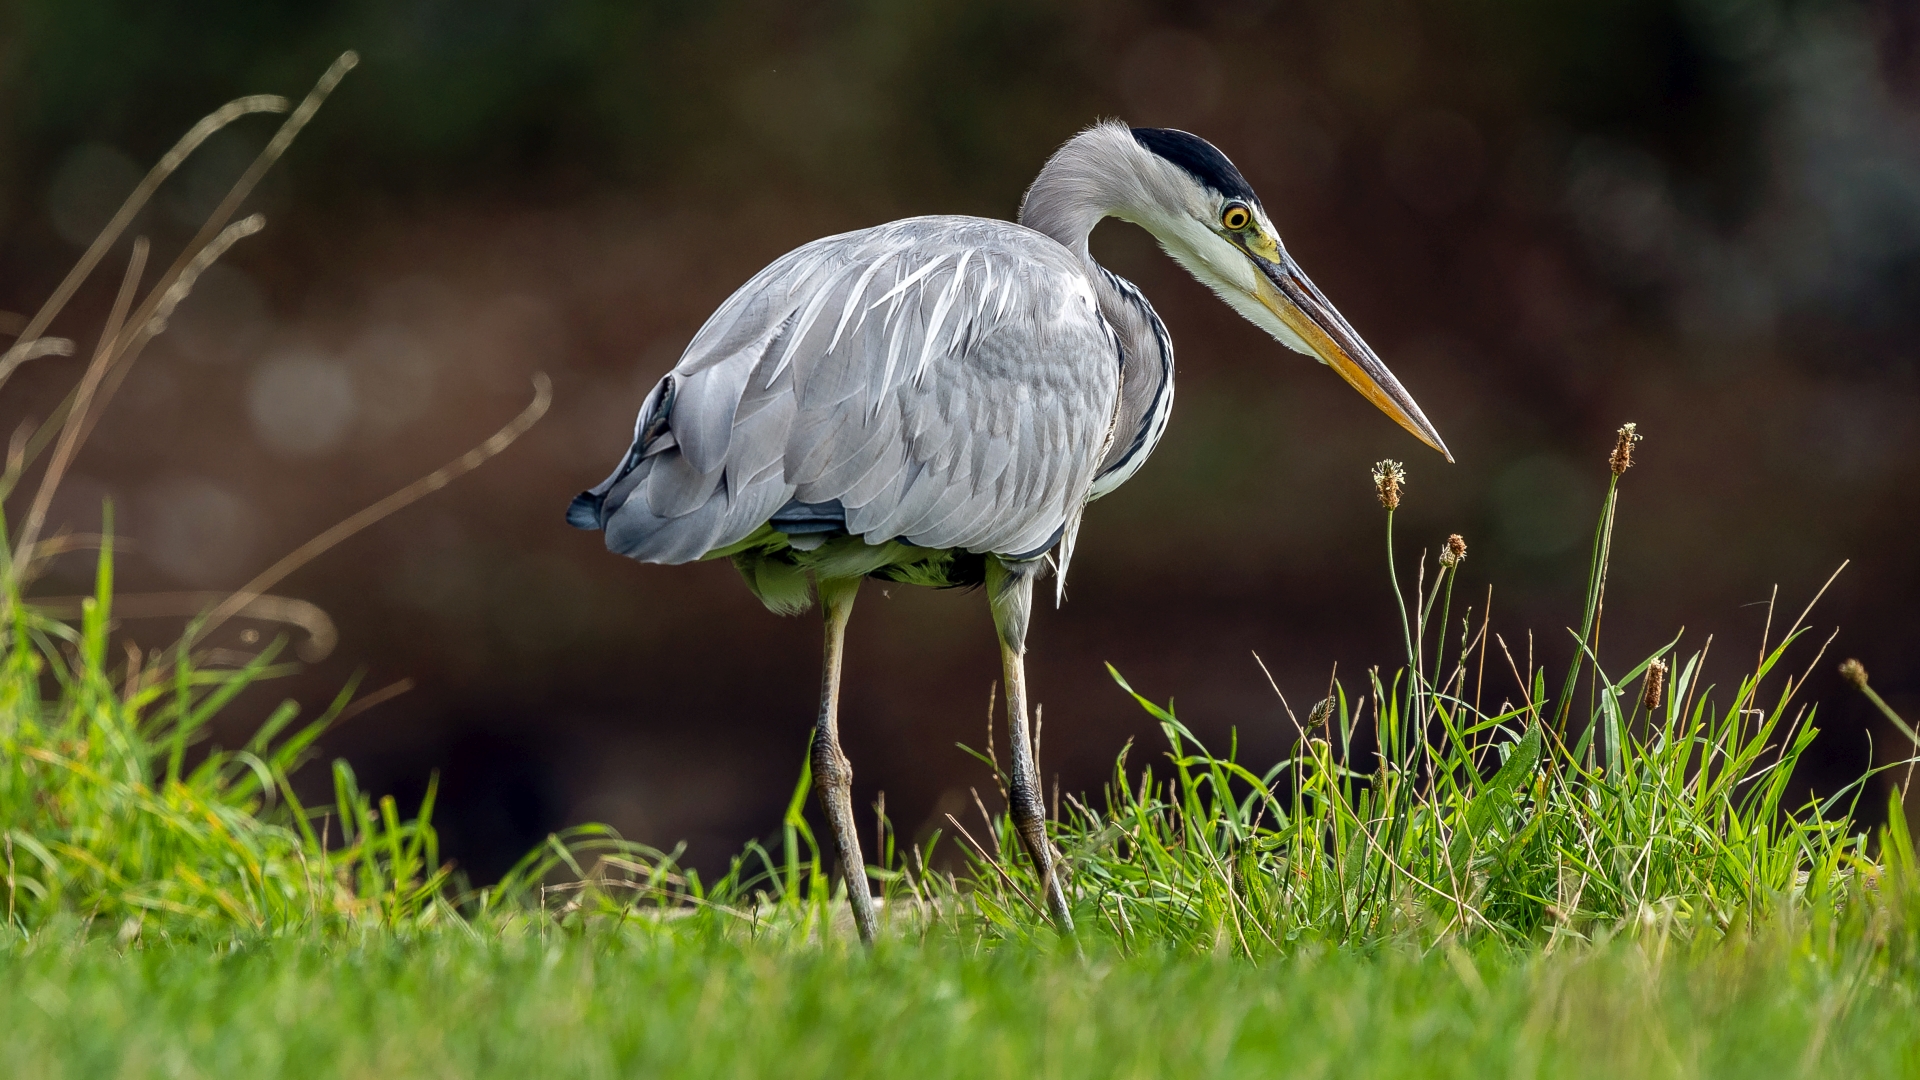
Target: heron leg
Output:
[
  {"x": 1010, "y": 591},
  {"x": 831, "y": 769}
]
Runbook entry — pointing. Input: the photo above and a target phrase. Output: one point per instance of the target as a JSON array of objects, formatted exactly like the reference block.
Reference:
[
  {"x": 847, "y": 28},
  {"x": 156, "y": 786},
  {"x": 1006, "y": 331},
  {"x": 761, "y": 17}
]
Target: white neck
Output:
[{"x": 1096, "y": 175}]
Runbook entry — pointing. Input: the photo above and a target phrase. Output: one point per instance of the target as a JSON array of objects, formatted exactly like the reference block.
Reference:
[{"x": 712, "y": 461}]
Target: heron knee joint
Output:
[
  {"x": 831, "y": 769},
  {"x": 1023, "y": 798}
]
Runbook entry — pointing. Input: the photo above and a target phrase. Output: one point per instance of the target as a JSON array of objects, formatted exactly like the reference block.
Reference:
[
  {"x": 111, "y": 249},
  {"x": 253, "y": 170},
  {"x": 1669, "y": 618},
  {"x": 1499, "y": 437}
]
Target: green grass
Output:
[
  {"x": 1603, "y": 878},
  {"x": 537, "y": 1002}
]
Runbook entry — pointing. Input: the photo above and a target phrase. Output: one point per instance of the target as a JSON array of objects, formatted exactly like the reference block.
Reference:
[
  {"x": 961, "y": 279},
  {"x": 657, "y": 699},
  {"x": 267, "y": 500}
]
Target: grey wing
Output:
[{"x": 944, "y": 381}]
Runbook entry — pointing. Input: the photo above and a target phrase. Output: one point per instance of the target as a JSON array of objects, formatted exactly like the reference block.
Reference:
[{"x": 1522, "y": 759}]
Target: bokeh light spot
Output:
[
  {"x": 195, "y": 530},
  {"x": 301, "y": 403}
]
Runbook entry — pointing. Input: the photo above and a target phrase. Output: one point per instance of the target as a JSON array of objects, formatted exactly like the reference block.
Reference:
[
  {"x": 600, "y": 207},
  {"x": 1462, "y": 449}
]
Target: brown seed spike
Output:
[
  {"x": 1855, "y": 673},
  {"x": 1454, "y": 552},
  {"x": 1320, "y": 712},
  {"x": 1388, "y": 478},
  {"x": 1656, "y": 685},
  {"x": 1622, "y": 457}
]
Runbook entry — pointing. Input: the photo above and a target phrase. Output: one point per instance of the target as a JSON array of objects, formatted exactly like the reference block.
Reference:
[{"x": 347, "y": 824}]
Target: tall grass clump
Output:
[
  {"x": 114, "y": 813},
  {"x": 1406, "y": 809},
  {"x": 107, "y": 822}
]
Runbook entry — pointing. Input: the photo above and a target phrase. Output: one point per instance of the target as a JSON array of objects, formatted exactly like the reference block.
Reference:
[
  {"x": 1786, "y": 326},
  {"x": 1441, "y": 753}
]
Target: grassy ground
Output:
[
  {"x": 611, "y": 1004},
  {"x": 1603, "y": 878}
]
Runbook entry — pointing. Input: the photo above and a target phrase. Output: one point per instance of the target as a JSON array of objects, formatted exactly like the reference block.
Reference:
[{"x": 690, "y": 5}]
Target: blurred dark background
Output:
[{"x": 1550, "y": 218}]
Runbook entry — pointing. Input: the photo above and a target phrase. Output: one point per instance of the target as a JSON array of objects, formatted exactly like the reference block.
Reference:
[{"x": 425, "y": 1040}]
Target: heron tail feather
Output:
[{"x": 585, "y": 509}]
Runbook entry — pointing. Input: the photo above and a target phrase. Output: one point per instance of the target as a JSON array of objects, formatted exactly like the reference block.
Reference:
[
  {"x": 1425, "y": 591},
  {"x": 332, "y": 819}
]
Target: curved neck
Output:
[
  {"x": 1057, "y": 207},
  {"x": 1096, "y": 175}
]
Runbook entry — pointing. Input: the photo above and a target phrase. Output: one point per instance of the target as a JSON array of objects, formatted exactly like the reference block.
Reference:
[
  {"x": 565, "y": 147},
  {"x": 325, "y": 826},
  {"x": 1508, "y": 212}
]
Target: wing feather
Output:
[
  {"x": 676, "y": 486},
  {"x": 948, "y": 381}
]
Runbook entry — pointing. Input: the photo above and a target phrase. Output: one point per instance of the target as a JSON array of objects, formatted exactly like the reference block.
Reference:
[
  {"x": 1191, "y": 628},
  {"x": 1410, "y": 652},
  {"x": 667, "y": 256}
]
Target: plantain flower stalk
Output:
[
  {"x": 1656, "y": 686},
  {"x": 1388, "y": 478},
  {"x": 1622, "y": 457}
]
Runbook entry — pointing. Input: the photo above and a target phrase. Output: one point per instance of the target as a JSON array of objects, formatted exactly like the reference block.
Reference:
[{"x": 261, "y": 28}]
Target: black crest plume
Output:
[{"x": 1200, "y": 158}]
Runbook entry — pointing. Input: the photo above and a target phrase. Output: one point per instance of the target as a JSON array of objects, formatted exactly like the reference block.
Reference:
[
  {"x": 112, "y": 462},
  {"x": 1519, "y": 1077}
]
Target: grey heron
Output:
[{"x": 935, "y": 401}]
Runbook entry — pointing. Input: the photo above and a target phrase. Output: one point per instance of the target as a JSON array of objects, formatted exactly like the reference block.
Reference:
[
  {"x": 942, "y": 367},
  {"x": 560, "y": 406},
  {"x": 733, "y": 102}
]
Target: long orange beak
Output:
[{"x": 1286, "y": 291}]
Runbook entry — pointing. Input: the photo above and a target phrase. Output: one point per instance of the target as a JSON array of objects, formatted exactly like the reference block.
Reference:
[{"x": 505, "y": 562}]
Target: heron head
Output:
[{"x": 1192, "y": 199}]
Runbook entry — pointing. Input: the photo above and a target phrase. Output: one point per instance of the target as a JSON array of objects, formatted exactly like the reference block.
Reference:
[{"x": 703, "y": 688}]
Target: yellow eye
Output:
[{"x": 1235, "y": 217}]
